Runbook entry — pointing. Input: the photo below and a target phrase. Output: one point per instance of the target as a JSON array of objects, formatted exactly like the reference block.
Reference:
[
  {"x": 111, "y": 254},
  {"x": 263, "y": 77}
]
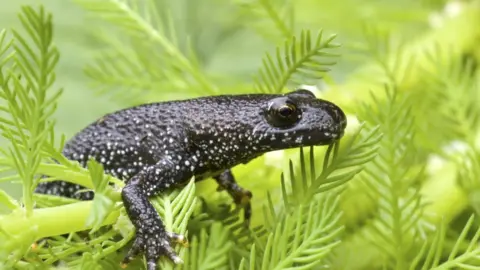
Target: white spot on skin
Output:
[{"x": 299, "y": 139}]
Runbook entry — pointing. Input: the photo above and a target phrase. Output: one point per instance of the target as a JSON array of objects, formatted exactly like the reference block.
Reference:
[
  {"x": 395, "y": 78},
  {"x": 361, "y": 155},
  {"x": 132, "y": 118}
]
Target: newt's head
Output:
[
  {"x": 233, "y": 128},
  {"x": 299, "y": 119}
]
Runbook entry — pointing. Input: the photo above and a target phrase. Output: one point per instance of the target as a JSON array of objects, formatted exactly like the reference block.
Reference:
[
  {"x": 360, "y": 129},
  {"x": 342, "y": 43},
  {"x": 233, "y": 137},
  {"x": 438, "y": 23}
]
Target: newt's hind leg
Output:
[
  {"x": 226, "y": 181},
  {"x": 64, "y": 189}
]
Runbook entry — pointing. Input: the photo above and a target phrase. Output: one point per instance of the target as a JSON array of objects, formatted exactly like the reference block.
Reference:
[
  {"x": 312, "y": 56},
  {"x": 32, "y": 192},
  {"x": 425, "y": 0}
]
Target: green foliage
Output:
[
  {"x": 375, "y": 200},
  {"x": 390, "y": 181},
  {"x": 102, "y": 203},
  {"x": 209, "y": 250},
  {"x": 339, "y": 167},
  {"x": 122, "y": 68},
  {"x": 303, "y": 238},
  {"x": 280, "y": 14},
  {"x": 308, "y": 227},
  {"x": 300, "y": 61},
  {"x": 24, "y": 87},
  {"x": 462, "y": 255},
  {"x": 468, "y": 175}
]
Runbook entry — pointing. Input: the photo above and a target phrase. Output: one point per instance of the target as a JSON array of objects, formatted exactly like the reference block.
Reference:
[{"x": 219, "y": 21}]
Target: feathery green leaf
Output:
[
  {"x": 340, "y": 166},
  {"x": 8, "y": 201},
  {"x": 175, "y": 210},
  {"x": 469, "y": 177},
  {"x": 303, "y": 238},
  {"x": 29, "y": 101},
  {"x": 209, "y": 250},
  {"x": 151, "y": 41},
  {"x": 468, "y": 258},
  {"x": 301, "y": 61},
  {"x": 389, "y": 178},
  {"x": 102, "y": 203},
  {"x": 277, "y": 13}
]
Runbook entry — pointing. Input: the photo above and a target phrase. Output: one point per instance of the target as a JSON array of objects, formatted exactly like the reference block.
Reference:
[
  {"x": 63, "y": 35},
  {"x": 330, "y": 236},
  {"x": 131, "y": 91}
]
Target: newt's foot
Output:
[
  {"x": 154, "y": 247},
  {"x": 242, "y": 198},
  {"x": 247, "y": 214}
]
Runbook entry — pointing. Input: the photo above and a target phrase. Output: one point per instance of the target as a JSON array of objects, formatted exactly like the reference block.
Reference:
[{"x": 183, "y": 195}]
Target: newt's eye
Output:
[
  {"x": 286, "y": 110},
  {"x": 283, "y": 113}
]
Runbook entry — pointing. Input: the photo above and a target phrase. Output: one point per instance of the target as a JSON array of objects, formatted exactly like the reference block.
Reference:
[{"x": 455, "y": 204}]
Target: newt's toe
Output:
[
  {"x": 246, "y": 197},
  {"x": 178, "y": 238}
]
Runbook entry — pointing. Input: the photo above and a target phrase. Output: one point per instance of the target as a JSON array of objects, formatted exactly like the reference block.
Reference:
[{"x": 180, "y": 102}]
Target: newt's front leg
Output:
[{"x": 151, "y": 236}]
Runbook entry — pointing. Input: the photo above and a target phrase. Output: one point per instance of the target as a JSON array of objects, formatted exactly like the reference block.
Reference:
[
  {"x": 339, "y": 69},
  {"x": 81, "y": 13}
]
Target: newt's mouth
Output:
[
  {"x": 341, "y": 130},
  {"x": 340, "y": 134},
  {"x": 332, "y": 137}
]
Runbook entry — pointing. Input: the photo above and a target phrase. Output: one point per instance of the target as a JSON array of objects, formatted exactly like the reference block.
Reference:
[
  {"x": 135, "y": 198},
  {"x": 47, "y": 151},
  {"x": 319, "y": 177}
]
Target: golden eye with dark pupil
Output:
[
  {"x": 282, "y": 113},
  {"x": 286, "y": 110}
]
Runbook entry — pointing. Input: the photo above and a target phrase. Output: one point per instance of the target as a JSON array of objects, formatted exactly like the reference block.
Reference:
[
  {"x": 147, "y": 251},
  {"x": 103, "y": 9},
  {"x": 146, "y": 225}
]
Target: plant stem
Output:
[{"x": 53, "y": 220}]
